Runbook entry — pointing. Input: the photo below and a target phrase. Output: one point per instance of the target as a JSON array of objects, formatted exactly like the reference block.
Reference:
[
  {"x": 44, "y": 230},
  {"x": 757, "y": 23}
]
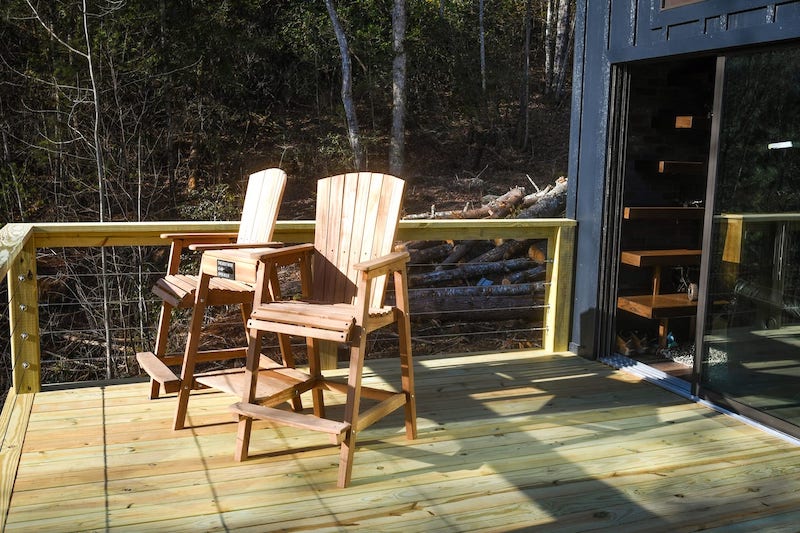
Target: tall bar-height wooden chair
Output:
[
  {"x": 178, "y": 290},
  {"x": 343, "y": 277}
]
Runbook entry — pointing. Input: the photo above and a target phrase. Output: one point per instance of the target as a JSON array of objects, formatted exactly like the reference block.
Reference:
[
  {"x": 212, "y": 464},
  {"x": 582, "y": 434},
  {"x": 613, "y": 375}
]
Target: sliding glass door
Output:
[{"x": 750, "y": 354}]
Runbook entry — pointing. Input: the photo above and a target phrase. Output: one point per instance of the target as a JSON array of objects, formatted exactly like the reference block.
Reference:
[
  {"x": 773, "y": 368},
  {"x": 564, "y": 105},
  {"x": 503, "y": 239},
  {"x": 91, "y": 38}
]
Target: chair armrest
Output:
[
  {"x": 200, "y": 237},
  {"x": 281, "y": 255},
  {"x": 384, "y": 264},
  {"x": 285, "y": 255},
  {"x": 233, "y": 246}
]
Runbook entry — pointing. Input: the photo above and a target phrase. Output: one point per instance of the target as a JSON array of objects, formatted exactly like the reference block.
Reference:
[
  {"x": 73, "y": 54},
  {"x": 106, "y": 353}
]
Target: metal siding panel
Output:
[
  {"x": 748, "y": 18},
  {"x": 623, "y": 23},
  {"x": 787, "y": 14},
  {"x": 589, "y": 162},
  {"x": 685, "y": 30},
  {"x": 706, "y": 26}
]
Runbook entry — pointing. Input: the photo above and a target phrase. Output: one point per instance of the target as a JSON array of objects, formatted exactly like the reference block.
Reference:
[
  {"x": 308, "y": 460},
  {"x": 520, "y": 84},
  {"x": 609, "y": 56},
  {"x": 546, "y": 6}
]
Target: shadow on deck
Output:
[{"x": 507, "y": 441}]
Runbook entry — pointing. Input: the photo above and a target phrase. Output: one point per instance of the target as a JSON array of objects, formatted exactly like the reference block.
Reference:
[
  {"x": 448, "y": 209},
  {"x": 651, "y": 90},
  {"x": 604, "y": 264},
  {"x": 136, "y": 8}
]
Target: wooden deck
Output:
[{"x": 513, "y": 441}]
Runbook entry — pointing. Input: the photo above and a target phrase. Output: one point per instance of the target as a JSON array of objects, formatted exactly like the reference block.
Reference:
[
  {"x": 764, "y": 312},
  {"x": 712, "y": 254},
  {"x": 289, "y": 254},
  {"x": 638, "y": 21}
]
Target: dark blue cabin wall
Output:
[
  {"x": 588, "y": 139},
  {"x": 704, "y": 26},
  {"x": 616, "y": 32}
]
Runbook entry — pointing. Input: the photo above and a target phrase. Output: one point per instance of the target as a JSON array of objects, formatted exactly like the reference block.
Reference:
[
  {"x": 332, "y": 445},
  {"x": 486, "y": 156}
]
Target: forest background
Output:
[{"x": 159, "y": 110}]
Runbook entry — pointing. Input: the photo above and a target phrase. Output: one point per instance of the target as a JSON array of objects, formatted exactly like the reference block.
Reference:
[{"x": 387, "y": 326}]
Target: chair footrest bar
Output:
[
  {"x": 289, "y": 418},
  {"x": 159, "y": 371},
  {"x": 376, "y": 412}
]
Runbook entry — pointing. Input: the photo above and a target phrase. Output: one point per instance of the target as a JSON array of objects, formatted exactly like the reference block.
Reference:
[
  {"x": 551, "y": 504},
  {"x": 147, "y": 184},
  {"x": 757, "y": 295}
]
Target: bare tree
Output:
[
  {"x": 557, "y": 43},
  {"x": 482, "y": 39},
  {"x": 347, "y": 87},
  {"x": 548, "y": 44},
  {"x": 95, "y": 147},
  {"x": 564, "y": 39},
  {"x": 397, "y": 142},
  {"x": 523, "y": 123}
]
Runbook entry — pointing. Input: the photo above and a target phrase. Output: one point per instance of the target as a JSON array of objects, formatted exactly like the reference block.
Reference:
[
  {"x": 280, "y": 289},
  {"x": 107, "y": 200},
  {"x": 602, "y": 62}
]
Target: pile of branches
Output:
[{"x": 484, "y": 280}]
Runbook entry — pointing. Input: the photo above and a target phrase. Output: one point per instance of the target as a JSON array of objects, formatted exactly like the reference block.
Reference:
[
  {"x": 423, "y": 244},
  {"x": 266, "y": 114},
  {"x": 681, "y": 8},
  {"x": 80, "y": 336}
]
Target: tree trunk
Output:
[
  {"x": 482, "y": 39},
  {"x": 549, "y": 22},
  {"x": 566, "y": 63},
  {"x": 397, "y": 142},
  {"x": 561, "y": 48},
  {"x": 523, "y": 123},
  {"x": 101, "y": 182},
  {"x": 347, "y": 87}
]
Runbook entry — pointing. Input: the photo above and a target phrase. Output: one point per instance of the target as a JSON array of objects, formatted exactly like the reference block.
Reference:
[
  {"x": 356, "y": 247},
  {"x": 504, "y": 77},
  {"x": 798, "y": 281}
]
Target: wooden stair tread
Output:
[
  {"x": 659, "y": 305},
  {"x": 645, "y": 258},
  {"x": 290, "y": 418},
  {"x": 668, "y": 213},
  {"x": 159, "y": 371},
  {"x": 683, "y": 122},
  {"x": 672, "y": 168}
]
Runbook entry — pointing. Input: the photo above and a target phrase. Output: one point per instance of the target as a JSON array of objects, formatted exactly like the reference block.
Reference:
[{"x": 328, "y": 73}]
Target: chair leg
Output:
[
  {"x": 243, "y": 432},
  {"x": 245, "y": 426},
  {"x": 246, "y": 309},
  {"x": 287, "y": 356},
  {"x": 192, "y": 345},
  {"x": 162, "y": 334},
  {"x": 407, "y": 376},
  {"x": 406, "y": 361},
  {"x": 351, "y": 411},
  {"x": 312, "y": 347}
]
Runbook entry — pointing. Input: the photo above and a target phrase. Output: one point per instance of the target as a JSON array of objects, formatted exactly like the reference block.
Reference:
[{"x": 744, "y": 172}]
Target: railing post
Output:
[
  {"x": 23, "y": 313},
  {"x": 560, "y": 253}
]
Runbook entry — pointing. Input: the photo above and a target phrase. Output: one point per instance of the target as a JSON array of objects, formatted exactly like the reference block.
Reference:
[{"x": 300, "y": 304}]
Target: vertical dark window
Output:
[{"x": 751, "y": 342}]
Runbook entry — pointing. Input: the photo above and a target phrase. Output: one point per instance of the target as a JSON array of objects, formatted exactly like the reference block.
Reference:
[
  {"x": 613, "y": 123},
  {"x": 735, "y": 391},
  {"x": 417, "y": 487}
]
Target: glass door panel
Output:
[{"x": 751, "y": 341}]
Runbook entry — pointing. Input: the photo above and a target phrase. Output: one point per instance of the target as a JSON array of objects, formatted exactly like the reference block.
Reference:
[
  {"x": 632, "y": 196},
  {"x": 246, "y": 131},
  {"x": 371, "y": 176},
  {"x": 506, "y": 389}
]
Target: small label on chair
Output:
[{"x": 226, "y": 269}]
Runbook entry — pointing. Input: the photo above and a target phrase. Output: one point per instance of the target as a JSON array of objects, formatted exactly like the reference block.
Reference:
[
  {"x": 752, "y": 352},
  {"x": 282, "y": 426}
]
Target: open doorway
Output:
[{"x": 666, "y": 159}]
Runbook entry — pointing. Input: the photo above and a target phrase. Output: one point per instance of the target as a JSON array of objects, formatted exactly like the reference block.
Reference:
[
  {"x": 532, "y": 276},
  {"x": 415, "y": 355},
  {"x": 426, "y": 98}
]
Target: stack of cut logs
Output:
[{"x": 479, "y": 280}]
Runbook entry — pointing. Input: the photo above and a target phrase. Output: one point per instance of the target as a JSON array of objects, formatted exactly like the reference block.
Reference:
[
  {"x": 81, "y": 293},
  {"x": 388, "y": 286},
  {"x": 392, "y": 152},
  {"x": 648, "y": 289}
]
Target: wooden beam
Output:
[
  {"x": 561, "y": 250},
  {"x": 13, "y": 427},
  {"x": 23, "y": 311}
]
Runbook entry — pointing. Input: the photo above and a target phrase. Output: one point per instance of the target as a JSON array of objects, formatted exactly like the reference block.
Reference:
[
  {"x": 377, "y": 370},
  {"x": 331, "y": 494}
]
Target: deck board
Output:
[{"x": 506, "y": 441}]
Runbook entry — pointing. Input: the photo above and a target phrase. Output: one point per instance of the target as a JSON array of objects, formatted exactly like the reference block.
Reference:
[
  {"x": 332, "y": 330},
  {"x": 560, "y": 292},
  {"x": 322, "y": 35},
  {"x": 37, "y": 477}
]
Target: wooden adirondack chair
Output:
[
  {"x": 343, "y": 301},
  {"x": 178, "y": 290}
]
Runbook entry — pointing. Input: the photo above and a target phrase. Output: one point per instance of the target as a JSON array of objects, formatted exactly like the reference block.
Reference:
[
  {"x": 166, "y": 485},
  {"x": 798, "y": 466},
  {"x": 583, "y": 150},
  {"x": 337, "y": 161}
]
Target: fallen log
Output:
[
  {"x": 504, "y": 250},
  {"x": 550, "y": 205},
  {"x": 533, "y": 198},
  {"x": 524, "y": 276},
  {"x": 466, "y": 271},
  {"x": 478, "y": 304},
  {"x": 432, "y": 254},
  {"x": 498, "y": 208},
  {"x": 458, "y": 253}
]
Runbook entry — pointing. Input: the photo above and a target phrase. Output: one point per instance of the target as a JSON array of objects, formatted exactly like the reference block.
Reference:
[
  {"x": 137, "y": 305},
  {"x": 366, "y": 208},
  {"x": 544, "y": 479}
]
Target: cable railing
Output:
[{"x": 69, "y": 322}]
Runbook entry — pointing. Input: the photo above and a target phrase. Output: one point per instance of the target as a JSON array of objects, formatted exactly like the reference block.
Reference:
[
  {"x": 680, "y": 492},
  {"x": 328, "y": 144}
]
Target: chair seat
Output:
[
  {"x": 273, "y": 386},
  {"x": 178, "y": 290},
  {"x": 320, "y": 320}
]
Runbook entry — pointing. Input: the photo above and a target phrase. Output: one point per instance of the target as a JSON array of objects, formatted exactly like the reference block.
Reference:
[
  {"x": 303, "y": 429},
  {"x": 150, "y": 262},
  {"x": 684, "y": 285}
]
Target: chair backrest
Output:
[
  {"x": 356, "y": 219},
  {"x": 261, "y": 204}
]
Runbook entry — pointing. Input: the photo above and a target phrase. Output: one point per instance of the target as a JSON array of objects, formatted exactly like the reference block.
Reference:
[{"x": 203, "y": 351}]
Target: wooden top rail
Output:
[
  {"x": 13, "y": 237},
  {"x": 76, "y": 234}
]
